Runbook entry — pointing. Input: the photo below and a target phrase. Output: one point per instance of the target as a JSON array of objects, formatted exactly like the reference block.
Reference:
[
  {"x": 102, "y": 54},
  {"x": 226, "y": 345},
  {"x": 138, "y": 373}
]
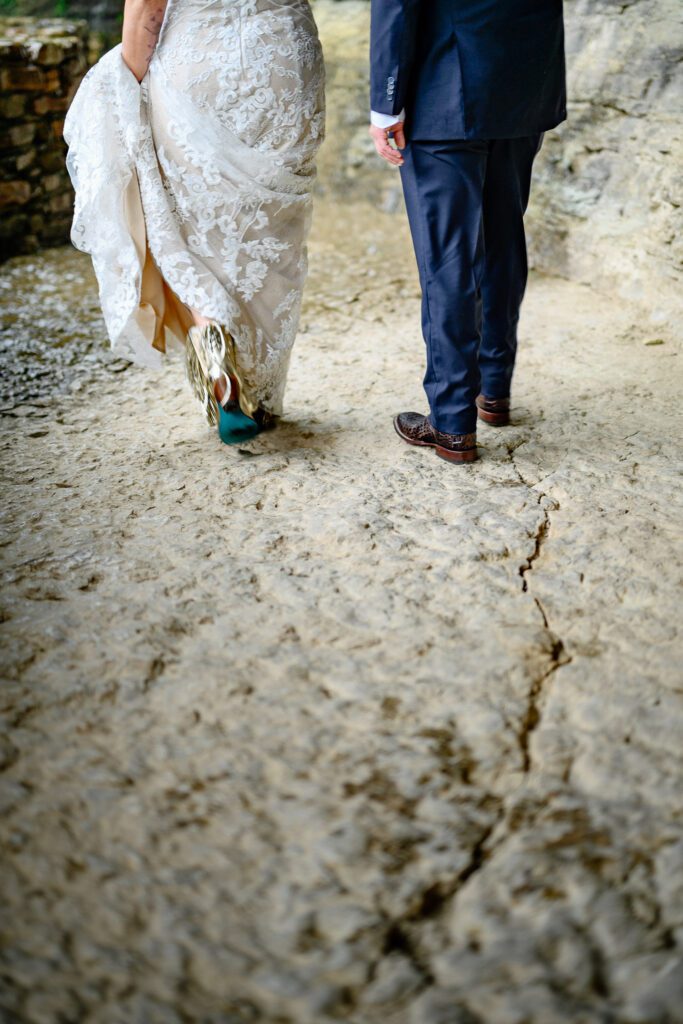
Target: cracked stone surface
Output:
[{"x": 325, "y": 729}]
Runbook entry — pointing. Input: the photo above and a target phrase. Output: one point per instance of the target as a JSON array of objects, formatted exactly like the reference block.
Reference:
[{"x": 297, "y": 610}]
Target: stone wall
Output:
[
  {"x": 41, "y": 64},
  {"x": 608, "y": 197},
  {"x": 103, "y": 16}
]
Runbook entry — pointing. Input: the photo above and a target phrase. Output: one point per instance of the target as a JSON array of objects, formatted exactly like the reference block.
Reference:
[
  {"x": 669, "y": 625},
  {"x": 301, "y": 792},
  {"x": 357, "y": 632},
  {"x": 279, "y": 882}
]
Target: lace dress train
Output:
[{"x": 194, "y": 188}]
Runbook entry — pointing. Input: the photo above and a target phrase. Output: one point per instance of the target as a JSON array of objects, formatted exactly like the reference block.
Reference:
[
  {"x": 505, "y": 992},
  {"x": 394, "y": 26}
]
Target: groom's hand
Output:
[{"x": 380, "y": 136}]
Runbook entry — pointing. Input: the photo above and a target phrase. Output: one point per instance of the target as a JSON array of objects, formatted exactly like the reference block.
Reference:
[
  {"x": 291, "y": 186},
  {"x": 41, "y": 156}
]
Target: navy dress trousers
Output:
[{"x": 480, "y": 81}]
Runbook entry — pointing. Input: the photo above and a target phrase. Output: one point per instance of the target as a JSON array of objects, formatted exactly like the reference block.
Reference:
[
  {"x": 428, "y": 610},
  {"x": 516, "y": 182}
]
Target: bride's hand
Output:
[{"x": 380, "y": 136}]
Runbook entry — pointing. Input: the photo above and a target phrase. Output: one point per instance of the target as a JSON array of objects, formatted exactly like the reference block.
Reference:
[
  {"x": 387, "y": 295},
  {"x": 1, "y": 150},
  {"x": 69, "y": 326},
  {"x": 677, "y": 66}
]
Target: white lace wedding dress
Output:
[{"x": 194, "y": 188}]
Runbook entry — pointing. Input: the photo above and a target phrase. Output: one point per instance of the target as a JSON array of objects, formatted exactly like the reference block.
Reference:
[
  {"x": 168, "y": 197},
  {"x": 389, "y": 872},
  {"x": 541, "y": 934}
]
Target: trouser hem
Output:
[
  {"x": 455, "y": 426},
  {"x": 496, "y": 394}
]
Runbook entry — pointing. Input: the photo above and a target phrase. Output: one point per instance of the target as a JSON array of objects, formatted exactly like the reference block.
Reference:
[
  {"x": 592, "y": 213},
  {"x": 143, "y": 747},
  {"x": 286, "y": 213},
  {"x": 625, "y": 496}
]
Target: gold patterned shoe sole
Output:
[
  {"x": 210, "y": 357},
  {"x": 199, "y": 384}
]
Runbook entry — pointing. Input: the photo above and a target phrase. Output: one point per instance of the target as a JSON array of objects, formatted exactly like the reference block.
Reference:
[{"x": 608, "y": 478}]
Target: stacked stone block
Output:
[
  {"x": 42, "y": 62},
  {"x": 103, "y": 16}
]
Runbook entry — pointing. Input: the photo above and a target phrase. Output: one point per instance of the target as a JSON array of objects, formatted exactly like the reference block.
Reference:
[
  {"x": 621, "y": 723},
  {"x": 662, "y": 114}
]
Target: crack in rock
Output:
[
  {"x": 532, "y": 717},
  {"x": 541, "y": 535},
  {"x": 402, "y": 934},
  {"x": 557, "y": 653}
]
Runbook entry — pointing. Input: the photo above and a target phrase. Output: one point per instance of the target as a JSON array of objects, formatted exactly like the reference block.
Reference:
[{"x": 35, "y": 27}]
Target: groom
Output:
[{"x": 466, "y": 89}]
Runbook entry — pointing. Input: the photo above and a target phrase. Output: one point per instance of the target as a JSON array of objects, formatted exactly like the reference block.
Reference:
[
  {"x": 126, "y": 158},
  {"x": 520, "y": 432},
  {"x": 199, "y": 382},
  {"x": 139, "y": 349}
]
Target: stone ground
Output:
[{"x": 325, "y": 729}]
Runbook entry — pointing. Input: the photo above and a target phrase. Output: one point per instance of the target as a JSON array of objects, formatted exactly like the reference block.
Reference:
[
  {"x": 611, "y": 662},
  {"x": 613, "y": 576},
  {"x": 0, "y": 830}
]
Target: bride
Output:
[{"x": 191, "y": 150}]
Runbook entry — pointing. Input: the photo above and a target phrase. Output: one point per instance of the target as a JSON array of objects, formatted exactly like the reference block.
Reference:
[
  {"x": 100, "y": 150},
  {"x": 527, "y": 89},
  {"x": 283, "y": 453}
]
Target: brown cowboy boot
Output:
[
  {"x": 495, "y": 411},
  {"x": 415, "y": 429}
]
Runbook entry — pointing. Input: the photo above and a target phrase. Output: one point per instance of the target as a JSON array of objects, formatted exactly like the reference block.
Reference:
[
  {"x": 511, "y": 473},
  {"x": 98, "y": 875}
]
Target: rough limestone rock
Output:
[
  {"x": 322, "y": 729},
  {"x": 608, "y": 200}
]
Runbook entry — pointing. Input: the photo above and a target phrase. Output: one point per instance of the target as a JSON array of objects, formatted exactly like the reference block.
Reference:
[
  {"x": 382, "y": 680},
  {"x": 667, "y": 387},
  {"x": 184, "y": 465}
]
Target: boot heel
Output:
[
  {"x": 494, "y": 411},
  {"x": 468, "y": 455},
  {"x": 494, "y": 419}
]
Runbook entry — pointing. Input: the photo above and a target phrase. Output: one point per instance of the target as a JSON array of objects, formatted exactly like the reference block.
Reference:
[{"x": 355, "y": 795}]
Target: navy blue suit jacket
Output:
[{"x": 469, "y": 69}]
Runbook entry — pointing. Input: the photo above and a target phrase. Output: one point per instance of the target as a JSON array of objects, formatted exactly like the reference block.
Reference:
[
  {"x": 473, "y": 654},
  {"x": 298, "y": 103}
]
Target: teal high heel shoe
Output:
[
  {"x": 212, "y": 372},
  {"x": 234, "y": 426}
]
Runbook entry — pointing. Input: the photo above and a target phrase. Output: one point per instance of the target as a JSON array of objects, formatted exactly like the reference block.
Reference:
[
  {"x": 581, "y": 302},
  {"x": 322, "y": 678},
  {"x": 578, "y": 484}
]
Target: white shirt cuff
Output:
[{"x": 386, "y": 120}]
